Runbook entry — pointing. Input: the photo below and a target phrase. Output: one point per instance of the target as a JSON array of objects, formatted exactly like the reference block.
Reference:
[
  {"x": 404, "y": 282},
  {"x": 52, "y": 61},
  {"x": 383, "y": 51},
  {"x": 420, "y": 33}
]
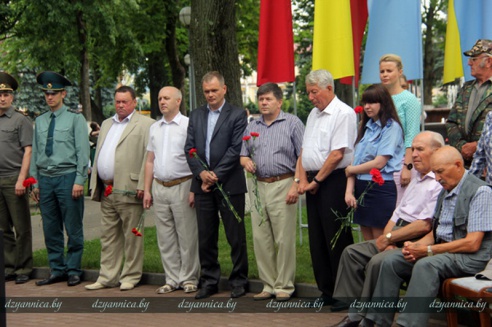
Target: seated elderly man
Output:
[
  {"x": 360, "y": 263},
  {"x": 459, "y": 245}
]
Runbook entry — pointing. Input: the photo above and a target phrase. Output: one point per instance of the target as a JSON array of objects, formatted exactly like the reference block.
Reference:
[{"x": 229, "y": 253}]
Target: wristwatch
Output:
[
  {"x": 297, "y": 180},
  {"x": 388, "y": 237},
  {"x": 429, "y": 251},
  {"x": 408, "y": 165}
]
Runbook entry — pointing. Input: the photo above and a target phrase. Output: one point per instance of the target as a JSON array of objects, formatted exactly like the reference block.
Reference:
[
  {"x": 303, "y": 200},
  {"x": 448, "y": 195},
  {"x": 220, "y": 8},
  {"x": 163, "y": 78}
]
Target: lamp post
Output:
[
  {"x": 185, "y": 19},
  {"x": 187, "y": 61}
]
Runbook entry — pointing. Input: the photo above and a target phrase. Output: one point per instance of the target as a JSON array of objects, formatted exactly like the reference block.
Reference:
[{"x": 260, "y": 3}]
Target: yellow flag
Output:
[
  {"x": 453, "y": 64},
  {"x": 332, "y": 39}
]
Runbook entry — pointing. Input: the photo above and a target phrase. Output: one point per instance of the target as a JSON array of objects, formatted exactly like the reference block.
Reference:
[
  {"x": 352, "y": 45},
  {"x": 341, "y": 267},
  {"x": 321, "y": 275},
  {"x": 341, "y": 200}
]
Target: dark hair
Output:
[
  {"x": 270, "y": 87},
  {"x": 94, "y": 125},
  {"x": 124, "y": 89},
  {"x": 377, "y": 93}
]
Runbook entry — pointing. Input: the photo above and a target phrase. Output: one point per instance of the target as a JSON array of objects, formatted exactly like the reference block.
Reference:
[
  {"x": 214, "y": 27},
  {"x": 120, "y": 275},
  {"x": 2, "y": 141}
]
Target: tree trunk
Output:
[
  {"x": 177, "y": 70},
  {"x": 157, "y": 79},
  {"x": 85, "y": 97},
  {"x": 214, "y": 47}
]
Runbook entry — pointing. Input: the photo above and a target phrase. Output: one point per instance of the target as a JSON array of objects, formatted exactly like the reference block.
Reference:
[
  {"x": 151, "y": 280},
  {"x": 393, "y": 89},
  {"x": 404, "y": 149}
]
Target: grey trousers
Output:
[
  {"x": 425, "y": 277},
  {"x": 358, "y": 273}
]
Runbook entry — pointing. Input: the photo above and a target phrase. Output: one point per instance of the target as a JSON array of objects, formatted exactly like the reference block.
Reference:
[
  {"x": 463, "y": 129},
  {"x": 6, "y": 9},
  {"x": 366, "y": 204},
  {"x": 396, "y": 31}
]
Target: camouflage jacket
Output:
[{"x": 455, "y": 124}]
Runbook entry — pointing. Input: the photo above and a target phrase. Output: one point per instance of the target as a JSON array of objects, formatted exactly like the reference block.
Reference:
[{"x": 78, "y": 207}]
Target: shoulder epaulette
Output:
[
  {"x": 74, "y": 111},
  {"x": 25, "y": 113}
]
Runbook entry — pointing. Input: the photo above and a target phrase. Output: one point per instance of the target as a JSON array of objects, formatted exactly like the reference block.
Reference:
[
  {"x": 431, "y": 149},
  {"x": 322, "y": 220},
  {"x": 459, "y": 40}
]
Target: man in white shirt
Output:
[
  {"x": 166, "y": 165},
  {"x": 119, "y": 167},
  {"x": 327, "y": 148}
]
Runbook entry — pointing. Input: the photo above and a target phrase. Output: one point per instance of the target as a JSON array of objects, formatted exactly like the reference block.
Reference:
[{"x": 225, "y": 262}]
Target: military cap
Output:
[
  {"x": 7, "y": 83},
  {"x": 481, "y": 46},
  {"x": 52, "y": 82}
]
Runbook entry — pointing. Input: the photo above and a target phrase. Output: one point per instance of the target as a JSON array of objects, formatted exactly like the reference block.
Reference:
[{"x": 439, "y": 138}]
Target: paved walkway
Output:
[{"x": 59, "y": 305}]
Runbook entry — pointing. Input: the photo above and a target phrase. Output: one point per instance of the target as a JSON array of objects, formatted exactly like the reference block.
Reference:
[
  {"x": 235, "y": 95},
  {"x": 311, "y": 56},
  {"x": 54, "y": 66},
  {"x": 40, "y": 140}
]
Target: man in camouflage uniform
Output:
[{"x": 474, "y": 101}]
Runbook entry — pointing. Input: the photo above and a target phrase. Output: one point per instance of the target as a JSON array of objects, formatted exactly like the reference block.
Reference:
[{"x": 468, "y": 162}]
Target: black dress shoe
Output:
[
  {"x": 51, "y": 280},
  {"x": 73, "y": 280},
  {"x": 339, "y": 306},
  {"x": 346, "y": 322},
  {"x": 238, "y": 291},
  {"x": 21, "y": 279},
  {"x": 204, "y": 293},
  {"x": 10, "y": 277}
]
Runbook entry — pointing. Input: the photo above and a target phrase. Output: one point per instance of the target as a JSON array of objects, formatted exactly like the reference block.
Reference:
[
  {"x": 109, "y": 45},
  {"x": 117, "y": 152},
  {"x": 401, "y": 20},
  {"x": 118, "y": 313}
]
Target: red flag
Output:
[
  {"x": 358, "y": 12},
  {"x": 276, "y": 43}
]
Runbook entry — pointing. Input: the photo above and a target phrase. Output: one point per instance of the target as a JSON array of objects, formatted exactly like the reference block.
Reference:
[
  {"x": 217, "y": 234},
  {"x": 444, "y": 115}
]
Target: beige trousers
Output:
[
  {"x": 177, "y": 233},
  {"x": 118, "y": 242},
  {"x": 275, "y": 240}
]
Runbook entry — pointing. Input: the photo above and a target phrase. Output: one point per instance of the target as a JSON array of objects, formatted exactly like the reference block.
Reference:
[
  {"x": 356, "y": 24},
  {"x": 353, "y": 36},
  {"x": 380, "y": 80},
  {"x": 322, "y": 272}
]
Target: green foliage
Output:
[
  {"x": 152, "y": 260},
  {"x": 440, "y": 101},
  {"x": 247, "y": 17}
]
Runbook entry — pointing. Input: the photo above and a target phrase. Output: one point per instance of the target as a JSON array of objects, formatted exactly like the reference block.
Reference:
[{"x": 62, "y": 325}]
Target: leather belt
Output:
[
  {"x": 275, "y": 178},
  {"x": 174, "y": 182},
  {"x": 107, "y": 182},
  {"x": 400, "y": 222}
]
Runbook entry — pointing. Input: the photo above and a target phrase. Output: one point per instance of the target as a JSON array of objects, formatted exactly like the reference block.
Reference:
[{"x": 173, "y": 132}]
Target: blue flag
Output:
[
  {"x": 474, "y": 22},
  {"x": 395, "y": 26}
]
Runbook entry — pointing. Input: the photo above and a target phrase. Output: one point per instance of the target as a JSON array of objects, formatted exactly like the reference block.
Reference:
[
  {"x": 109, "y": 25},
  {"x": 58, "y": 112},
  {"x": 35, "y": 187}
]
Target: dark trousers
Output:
[
  {"x": 59, "y": 209},
  {"x": 208, "y": 207},
  {"x": 15, "y": 221},
  {"x": 323, "y": 227}
]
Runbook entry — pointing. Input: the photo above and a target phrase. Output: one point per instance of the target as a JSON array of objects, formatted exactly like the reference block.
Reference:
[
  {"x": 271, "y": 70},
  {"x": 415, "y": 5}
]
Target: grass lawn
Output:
[{"x": 152, "y": 260}]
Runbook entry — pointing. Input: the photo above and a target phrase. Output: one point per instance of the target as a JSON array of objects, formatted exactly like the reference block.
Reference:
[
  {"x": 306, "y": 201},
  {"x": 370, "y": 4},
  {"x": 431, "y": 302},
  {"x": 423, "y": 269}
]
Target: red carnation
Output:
[
  {"x": 358, "y": 109},
  {"x": 29, "y": 182},
  {"x": 134, "y": 230},
  {"x": 192, "y": 152},
  {"x": 138, "y": 233},
  {"x": 246, "y": 138},
  {"x": 376, "y": 176},
  {"x": 108, "y": 190},
  {"x": 255, "y": 134}
]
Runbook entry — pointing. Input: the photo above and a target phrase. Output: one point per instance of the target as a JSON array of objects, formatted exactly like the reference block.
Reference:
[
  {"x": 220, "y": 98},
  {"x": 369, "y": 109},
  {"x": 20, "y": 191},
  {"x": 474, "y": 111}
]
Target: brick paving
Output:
[
  {"x": 164, "y": 309},
  {"x": 80, "y": 308}
]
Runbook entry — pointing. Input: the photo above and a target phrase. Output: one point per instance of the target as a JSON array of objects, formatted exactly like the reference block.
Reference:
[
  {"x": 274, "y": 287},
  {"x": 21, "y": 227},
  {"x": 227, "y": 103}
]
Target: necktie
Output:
[{"x": 49, "y": 142}]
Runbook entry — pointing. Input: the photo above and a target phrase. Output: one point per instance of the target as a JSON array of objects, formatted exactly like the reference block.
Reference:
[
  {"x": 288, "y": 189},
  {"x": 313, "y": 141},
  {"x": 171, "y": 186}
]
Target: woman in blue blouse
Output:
[{"x": 379, "y": 145}]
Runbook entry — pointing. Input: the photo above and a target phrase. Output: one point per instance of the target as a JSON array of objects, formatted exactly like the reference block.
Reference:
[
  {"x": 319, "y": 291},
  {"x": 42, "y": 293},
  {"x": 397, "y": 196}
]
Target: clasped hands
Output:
[
  {"x": 413, "y": 251},
  {"x": 208, "y": 180}
]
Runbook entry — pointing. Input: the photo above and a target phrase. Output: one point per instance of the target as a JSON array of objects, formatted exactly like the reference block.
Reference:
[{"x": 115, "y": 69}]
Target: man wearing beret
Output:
[
  {"x": 15, "y": 218},
  {"x": 467, "y": 116},
  {"x": 60, "y": 156}
]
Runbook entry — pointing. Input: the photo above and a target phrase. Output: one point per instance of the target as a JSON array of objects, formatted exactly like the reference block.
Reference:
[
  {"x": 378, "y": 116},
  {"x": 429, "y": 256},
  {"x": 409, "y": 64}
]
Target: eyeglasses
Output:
[{"x": 473, "y": 59}]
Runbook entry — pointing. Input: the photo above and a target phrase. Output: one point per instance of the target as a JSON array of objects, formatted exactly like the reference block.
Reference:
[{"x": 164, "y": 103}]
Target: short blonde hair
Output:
[{"x": 392, "y": 58}]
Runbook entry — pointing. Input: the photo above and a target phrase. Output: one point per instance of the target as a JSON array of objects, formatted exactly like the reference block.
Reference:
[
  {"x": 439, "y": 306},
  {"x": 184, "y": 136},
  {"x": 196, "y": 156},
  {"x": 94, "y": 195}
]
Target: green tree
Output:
[
  {"x": 433, "y": 38},
  {"x": 214, "y": 45}
]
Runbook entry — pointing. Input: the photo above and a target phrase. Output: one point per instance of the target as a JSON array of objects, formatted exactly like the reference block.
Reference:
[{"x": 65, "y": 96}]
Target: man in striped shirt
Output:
[{"x": 271, "y": 147}]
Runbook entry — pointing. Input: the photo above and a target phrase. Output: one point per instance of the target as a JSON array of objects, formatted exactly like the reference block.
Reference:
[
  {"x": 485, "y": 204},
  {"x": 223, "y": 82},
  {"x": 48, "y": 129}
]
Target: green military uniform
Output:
[
  {"x": 57, "y": 172},
  {"x": 458, "y": 131},
  {"x": 15, "y": 218}
]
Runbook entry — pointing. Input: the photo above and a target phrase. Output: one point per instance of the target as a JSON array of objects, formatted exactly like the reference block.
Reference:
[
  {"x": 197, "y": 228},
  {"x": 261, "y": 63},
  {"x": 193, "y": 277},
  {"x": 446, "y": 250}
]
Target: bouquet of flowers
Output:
[
  {"x": 139, "y": 229},
  {"x": 110, "y": 190},
  {"x": 348, "y": 220},
  {"x": 193, "y": 154},
  {"x": 28, "y": 183},
  {"x": 258, "y": 206}
]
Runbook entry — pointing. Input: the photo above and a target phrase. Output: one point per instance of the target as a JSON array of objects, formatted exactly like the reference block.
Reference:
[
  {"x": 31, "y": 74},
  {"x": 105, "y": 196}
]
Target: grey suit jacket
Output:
[
  {"x": 130, "y": 155},
  {"x": 225, "y": 147}
]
